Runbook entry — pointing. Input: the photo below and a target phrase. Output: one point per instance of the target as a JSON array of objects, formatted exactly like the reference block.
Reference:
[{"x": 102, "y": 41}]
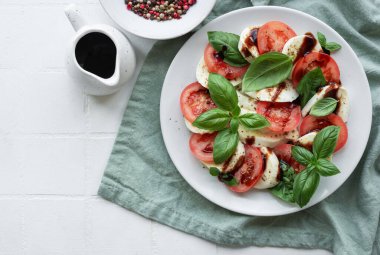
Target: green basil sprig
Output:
[
  {"x": 225, "y": 144},
  {"x": 266, "y": 71},
  {"x": 316, "y": 162},
  {"x": 324, "y": 107},
  {"x": 284, "y": 189},
  {"x": 227, "y": 45},
  {"x": 309, "y": 84},
  {"x": 226, "y": 118},
  {"x": 329, "y": 46},
  {"x": 226, "y": 178}
]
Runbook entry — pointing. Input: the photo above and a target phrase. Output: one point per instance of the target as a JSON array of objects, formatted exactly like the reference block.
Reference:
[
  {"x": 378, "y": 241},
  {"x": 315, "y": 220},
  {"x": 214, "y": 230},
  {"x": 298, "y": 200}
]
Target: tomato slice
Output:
[
  {"x": 195, "y": 100},
  {"x": 311, "y": 123},
  {"x": 215, "y": 64},
  {"x": 284, "y": 153},
  {"x": 273, "y": 35},
  {"x": 313, "y": 60},
  {"x": 283, "y": 117},
  {"x": 202, "y": 146},
  {"x": 251, "y": 171}
]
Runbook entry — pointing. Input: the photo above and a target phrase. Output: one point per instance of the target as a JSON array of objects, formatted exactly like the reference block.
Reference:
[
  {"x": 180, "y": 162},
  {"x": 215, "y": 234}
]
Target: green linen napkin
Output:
[{"x": 141, "y": 177}]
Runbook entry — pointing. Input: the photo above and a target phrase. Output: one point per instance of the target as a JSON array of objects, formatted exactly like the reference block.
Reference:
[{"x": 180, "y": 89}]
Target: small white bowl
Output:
[{"x": 152, "y": 29}]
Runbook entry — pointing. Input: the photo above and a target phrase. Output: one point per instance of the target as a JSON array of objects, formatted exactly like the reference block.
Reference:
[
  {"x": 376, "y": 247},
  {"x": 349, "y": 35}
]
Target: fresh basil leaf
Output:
[
  {"x": 302, "y": 155},
  {"x": 322, "y": 39},
  {"x": 214, "y": 171},
  {"x": 235, "y": 112},
  {"x": 225, "y": 145},
  {"x": 227, "y": 44},
  {"x": 284, "y": 189},
  {"x": 326, "y": 168},
  {"x": 214, "y": 119},
  {"x": 234, "y": 124},
  {"x": 325, "y": 142},
  {"x": 332, "y": 46},
  {"x": 267, "y": 71},
  {"x": 329, "y": 46},
  {"x": 222, "y": 92},
  {"x": 231, "y": 182},
  {"x": 305, "y": 184},
  {"x": 309, "y": 84},
  {"x": 253, "y": 121},
  {"x": 324, "y": 107}
]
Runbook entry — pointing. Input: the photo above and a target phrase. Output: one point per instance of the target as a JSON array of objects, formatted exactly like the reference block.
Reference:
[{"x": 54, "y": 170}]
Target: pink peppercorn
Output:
[{"x": 159, "y": 10}]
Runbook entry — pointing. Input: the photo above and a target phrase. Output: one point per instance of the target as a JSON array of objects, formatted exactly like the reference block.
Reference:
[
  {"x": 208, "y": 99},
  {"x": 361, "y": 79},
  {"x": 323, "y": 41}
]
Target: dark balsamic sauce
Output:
[
  {"x": 307, "y": 45},
  {"x": 250, "y": 41},
  {"x": 279, "y": 89},
  {"x": 264, "y": 161},
  {"x": 96, "y": 53},
  {"x": 250, "y": 140}
]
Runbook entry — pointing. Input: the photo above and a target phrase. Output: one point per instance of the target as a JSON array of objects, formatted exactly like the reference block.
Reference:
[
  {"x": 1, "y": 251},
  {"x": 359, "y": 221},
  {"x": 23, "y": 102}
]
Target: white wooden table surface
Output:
[{"x": 54, "y": 144}]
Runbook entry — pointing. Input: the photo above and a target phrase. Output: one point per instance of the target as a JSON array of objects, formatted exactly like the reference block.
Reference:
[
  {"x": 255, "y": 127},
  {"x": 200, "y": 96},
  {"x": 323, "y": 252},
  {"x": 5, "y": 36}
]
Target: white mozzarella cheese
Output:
[
  {"x": 322, "y": 92},
  {"x": 270, "y": 177},
  {"x": 307, "y": 140},
  {"x": 293, "y": 46},
  {"x": 195, "y": 129},
  {"x": 343, "y": 107},
  {"x": 236, "y": 159},
  {"x": 284, "y": 92},
  {"x": 202, "y": 75},
  {"x": 246, "y": 46},
  {"x": 265, "y": 138},
  {"x": 246, "y": 102}
]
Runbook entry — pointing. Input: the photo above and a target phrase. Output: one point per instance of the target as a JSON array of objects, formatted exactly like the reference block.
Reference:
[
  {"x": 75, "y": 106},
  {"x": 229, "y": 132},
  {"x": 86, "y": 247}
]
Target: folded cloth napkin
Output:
[{"x": 141, "y": 177}]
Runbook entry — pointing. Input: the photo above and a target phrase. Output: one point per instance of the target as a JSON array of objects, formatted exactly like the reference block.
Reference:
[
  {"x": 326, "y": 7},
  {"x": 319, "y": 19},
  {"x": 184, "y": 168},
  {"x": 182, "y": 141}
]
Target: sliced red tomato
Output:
[
  {"x": 311, "y": 123},
  {"x": 273, "y": 35},
  {"x": 251, "y": 171},
  {"x": 202, "y": 146},
  {"x": 195, "y": 100},
  {"x": 283, "y": 117},
  {"x": 215, "y": 64},
  {"x": 284, "y": 153},
  {"x": 313, "y": 60}
]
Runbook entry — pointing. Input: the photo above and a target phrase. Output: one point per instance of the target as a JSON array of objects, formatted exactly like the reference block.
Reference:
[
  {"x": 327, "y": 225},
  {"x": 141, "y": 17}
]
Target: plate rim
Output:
[{"x": 367, "y": 131}]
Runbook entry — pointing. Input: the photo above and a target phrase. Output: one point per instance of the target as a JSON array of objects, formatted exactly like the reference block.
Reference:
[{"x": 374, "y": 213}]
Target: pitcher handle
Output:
[{"x": 74, "y": 15}]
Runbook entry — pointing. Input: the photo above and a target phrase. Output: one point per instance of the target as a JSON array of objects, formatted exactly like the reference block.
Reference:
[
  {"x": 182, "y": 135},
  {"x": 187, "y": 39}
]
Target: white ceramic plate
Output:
[
  {"x": 182, "y": 72},
  {"x": 137, "y": 25}
]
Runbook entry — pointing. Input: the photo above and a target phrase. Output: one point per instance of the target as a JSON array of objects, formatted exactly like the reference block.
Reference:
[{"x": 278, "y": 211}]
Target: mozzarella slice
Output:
[
  {"x": 195, "y": 129},
  {"x": 246, "y": 46},
  {"x": 283, "y": 92},
  {"x": 307, "y": 140},
  {"x": 202, "y": 75},
  {"x": 271, "y": 174},
  {"x": 246, "y": 102},
  {"x": 344, "y": 104},
  {"x": 265, "y": 138},
  {"x": 293, "y": 46},
  {"x": 322, "y": 92},
  {"x": 236, "y": 160}
]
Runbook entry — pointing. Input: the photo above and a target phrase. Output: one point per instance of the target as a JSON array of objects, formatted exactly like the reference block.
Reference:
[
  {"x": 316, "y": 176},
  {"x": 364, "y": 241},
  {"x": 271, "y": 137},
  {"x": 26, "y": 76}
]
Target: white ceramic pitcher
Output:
[{"x": 125, "y": 56}]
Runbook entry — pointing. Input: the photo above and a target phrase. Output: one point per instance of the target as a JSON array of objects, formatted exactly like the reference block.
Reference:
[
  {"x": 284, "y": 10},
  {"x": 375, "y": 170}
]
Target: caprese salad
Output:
[{"x": 268, "y": 110}]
